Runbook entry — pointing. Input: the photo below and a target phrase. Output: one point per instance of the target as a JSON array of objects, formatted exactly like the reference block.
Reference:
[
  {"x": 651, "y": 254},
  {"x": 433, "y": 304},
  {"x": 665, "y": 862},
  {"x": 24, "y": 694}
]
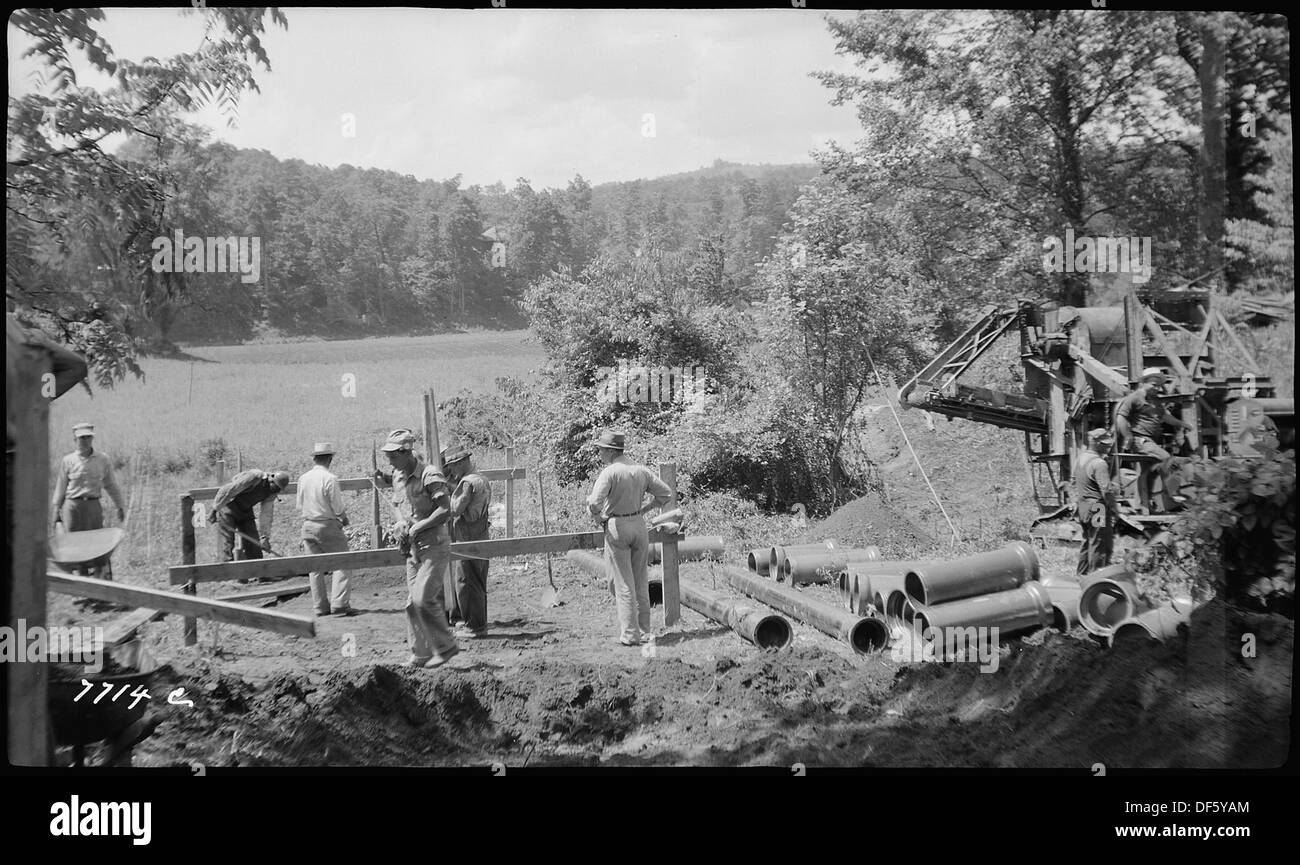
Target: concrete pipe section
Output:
[
  {"x": 899, "y": 610},
  {"x": 1064, "y": 593},
  {"x": 763, "y": 629},
  {"x": 779, "y": 553},
  {"x": 862, "y": 583},
  {"x": 1020, "y": 609},
  {"x": 760, "y": 561},
  {"x": 862, "y": 634},
  {"x": 968, "y": 577},
  {"x": 1155, "y": 625},
  {"x": 802, "y": 569},
  {"x": 1109, "y": 596},
  {"x": 695, "y": 547},
  {"x": 595, "y": 565}
]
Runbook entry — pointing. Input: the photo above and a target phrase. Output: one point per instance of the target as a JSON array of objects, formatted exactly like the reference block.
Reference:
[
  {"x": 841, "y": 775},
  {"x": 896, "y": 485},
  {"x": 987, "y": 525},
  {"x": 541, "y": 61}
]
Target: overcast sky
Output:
[{"x": 497, "y": 94}]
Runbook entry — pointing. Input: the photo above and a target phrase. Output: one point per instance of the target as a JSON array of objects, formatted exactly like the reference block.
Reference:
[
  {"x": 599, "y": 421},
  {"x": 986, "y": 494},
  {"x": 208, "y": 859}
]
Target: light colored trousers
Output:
[
  {"x": 426, "y": 618},
  {"x": 627, "y": 552},
  {"x": 327, "y": 537}
]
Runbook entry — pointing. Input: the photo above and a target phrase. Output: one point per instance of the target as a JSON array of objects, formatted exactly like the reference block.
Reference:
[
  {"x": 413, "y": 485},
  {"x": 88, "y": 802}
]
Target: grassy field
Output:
[{"x": 269, "y": 403}]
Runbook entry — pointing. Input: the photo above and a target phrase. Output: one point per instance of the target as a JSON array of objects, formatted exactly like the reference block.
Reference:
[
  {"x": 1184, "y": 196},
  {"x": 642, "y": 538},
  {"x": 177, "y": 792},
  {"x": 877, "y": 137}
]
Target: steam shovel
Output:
[{"x": 551, "y": 595}]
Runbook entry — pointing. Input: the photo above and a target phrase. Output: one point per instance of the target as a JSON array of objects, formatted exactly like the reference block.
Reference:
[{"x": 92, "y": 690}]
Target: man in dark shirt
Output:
[
  {"x": 1140, "y": 420},
  {"x": 466, "y": 589},
  {"x": 232, "y": 510},
  {"x": 1094, "y": 502}
]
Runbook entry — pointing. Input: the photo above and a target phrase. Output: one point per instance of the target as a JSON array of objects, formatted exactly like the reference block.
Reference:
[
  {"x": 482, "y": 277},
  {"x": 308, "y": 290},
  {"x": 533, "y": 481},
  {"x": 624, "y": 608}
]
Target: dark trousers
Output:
[
  {"x": 466, "y": 592},
  {"x": 1098, "y": 543},
  {"x": 230, "y": 521}
]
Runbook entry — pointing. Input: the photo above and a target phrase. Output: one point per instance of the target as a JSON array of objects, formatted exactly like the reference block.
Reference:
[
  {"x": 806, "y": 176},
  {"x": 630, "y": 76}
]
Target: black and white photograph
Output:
[{"x": 607, "y": 391}]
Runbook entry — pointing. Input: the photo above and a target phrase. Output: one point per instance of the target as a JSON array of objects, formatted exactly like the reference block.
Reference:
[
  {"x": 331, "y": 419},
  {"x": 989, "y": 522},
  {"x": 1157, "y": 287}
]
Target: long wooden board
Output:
[
  {"x": 206, "y": 494},
  {"x": 173, "y": 602},
  {"x": 261, "y": 594},
  {"x": 388, "y": 557}
]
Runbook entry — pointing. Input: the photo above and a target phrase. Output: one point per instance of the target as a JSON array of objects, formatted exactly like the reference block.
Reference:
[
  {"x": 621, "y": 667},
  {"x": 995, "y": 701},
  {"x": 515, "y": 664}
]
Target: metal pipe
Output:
[
  {"x": 760, "y": 561},
  {"x": 1064, "y": 594},
  {"x": 694, "y": 547},
  {"x": 981, "y": 574},
  {"x": 779, "y": 553},
  {"x": 1157, "y": 625},
  {"x": 1109, "y": 596},
  {"x": 1019, "y": 609},
  {"x": 861, "y": 582},
  {"x": 801, "y": 569},
  {"x": 763, "y": 629},
  {"x": 863, "y": 634}
]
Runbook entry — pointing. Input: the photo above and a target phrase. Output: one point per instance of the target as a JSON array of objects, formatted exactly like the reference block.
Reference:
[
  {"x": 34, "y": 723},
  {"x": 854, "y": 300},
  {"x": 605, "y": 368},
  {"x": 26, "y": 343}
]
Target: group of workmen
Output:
[
  {"x": 446, "y": 598},
  {"x": 1140, "y": 419}
]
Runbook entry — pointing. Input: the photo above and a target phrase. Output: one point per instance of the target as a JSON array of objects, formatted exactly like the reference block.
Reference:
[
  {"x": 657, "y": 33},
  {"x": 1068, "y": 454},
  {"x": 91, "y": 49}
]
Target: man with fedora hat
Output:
[
  {"x": 422, "y": 499},
  {"x": 1140, "y": 420},
  {"x": 232, "y": 511},
  {"x": 84, "y": 476},
  {"x": 616, "y": 503},
  {"x": 323, "y": 517},
  {"x": 466, "y": 588},
  {"x": 1094, "y": 502}
]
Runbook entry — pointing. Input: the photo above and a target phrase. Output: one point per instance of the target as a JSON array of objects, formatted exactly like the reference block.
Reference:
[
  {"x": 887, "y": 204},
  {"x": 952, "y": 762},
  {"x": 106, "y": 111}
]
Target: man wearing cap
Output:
[
  {"x": 323, "y": 519},
  {"x": 232, "y": 511},
  {"x": 422, "y": 499},
  {"x": 616, "y": 503},
  {"x": 1094, "y": 502},
  {"x": 1140, "y": 419},
  {"x": 84, "y": 476},
  {"x": 466, "y": 589}
]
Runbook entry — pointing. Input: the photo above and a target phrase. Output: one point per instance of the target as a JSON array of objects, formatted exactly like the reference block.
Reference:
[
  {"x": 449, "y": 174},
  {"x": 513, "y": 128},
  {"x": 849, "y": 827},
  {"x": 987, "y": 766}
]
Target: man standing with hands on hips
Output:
[
  {"x": 323, "y": 519},
  {"x": 423, "y": 500},
  {"x": 616, "y": 503}
]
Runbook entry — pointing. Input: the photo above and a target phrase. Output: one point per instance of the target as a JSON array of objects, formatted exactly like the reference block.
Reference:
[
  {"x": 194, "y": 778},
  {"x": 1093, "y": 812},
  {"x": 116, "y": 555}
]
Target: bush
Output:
[
  {"x": 1237, "y": 536},
  {"x": 211, "y": 451}
]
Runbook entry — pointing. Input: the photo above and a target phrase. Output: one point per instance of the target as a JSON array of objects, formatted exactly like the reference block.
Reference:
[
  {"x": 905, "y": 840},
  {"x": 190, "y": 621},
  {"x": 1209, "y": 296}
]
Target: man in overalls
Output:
[
  {"x": 466, "y": 590},
  {"x": 1094, "y": 500},
  {"x": 616, "y": 503}
]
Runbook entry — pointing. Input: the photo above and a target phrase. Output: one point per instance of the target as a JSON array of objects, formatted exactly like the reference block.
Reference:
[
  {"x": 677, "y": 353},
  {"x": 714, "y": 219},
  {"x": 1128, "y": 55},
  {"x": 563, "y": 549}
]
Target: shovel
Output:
[{"x": 550, "y": 596}]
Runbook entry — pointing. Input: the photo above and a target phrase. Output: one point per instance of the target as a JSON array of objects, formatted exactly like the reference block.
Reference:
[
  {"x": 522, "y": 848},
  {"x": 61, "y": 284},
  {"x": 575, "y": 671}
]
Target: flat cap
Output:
[
  {"x": 399, "y": 440},
  {"x": 83, "y": 429}
]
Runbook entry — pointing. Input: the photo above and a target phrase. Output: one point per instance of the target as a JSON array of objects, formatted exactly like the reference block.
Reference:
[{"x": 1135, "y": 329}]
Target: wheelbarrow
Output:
[
  {"x": 80, "y": 551},
  {"x": 123, "y": 722}
]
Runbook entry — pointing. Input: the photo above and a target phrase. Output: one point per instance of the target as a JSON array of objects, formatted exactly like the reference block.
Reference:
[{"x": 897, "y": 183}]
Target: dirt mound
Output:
[{"x": 868, "y": 521}]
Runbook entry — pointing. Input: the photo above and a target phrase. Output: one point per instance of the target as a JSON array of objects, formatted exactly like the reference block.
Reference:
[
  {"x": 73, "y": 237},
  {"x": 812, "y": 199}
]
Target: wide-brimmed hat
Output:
[
  {"x": 83, "y": 429},
  {"x": 323, "y": 449},
  {"x": 399, "y": 440},
  {"x": 610, "y": 439}
]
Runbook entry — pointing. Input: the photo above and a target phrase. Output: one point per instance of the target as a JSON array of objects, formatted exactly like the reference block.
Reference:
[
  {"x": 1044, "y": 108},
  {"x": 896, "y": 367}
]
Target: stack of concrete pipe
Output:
[
  {"x": 806, "y": 564},
  {"x": 760, "y": 627}
]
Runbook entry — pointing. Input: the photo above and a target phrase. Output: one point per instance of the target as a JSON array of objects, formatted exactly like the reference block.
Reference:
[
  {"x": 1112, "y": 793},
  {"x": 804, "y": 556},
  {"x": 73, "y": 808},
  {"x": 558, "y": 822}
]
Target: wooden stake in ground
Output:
[
  {"x": 550, "y": 596},
  {"x": 672, "y": 595},
  {"x": 432, "y": 444}
]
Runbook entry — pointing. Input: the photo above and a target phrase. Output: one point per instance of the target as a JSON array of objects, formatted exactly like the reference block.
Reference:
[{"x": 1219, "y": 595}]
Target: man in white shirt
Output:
[{"x": 323, "y": 519}]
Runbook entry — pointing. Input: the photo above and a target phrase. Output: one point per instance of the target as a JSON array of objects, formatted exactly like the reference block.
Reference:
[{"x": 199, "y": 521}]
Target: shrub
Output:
[
  {"x": 213, "y": 450},
  {"x": 1238, "y": 532}
]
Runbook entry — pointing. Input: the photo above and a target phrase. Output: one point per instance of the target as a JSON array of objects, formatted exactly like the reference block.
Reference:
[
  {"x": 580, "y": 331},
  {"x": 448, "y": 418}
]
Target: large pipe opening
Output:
[
  {"x": 753, "y": 564},
  {"x": 773, "y": 632},
  {"x": 894, "y": 608},
  {"x": 914, "y": 587},
  {"x": 869, "y": 635},
  {"x": 1103, "y": 605},
  {"x": 656, "y": 593}
]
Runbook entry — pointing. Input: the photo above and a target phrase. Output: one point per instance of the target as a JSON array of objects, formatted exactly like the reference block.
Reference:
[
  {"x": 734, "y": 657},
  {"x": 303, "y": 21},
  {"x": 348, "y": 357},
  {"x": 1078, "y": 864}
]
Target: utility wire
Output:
[{"x": 916, "y": 458}]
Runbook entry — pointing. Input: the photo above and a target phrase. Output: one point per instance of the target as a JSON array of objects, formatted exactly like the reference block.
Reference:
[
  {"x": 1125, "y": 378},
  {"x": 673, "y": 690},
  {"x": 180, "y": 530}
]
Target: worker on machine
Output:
[
  {"x": 1094, "y": 502},
  {"x": 84, "y": 476},
  {"x": 232, "y": 511},
  {"x": 616, "y": 503},
  {"x": 466, "y": 589},
  {"x": 1140, "y": 420}
]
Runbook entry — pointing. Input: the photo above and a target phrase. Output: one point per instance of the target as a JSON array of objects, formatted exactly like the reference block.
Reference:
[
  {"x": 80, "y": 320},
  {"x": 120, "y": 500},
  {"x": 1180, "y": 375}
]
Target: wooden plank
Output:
[
  {"x": 1246, "y": 356},
  {"x": 276, "y": 592},
  {"x": 189, "y": 625},
  {"x": 206, "y": 494},
  {"x": 510, "y": 493},
  {"x": 672, "y": 585},
  {"x": 1158, "y": 334},
  {"x": 123, "y": 629},
  {"x": 28, "y": 684},
  {"x": 1133, "y": 337},
  {"x": 173, "y": 602},
  {"x": 387, "y": 557}
]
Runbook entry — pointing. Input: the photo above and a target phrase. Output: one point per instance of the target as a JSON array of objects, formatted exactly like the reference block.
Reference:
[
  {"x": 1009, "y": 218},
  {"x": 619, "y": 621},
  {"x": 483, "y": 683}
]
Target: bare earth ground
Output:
[{"x": 554, "y": 687}]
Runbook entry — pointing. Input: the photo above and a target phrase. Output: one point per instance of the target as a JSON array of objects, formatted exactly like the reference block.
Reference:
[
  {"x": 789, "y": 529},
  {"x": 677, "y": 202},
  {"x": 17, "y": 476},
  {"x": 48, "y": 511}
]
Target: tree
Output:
[
  {"x": 58, "y": 174},
  {"x": 1267, "y": 246}
]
